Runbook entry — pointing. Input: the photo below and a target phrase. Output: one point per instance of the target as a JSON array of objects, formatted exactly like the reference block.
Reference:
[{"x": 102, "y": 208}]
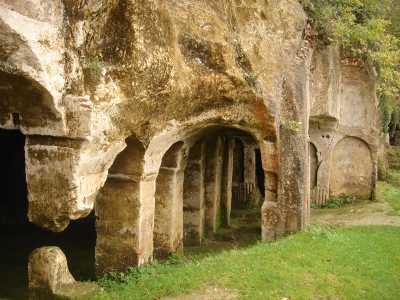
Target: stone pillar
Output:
[
  {"x": 146, "y": 218},
  {"x": 226, "y": 190},
  {"x": 194, "y": 196},
  {"x": 272, "y": 221},
  {"x": 125, "y": 213},
  {"x": 117, "y": 225},
  {"x": 321, "y": 191},
  {"x": 168, "y": 219},
  {"x": 250, "y": 173},
  {"x": 320, "y": 162},
  {"x": 213, "y": 177}
]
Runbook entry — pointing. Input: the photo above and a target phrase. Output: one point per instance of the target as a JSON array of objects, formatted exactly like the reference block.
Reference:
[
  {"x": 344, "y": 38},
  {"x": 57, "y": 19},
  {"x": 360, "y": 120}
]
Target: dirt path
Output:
[{"x": 360, "y": 213}]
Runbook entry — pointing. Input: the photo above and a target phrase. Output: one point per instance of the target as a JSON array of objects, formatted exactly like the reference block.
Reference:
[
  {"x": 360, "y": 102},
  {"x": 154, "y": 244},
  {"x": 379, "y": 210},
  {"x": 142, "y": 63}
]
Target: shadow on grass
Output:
[{"x": 245, "y": 231}]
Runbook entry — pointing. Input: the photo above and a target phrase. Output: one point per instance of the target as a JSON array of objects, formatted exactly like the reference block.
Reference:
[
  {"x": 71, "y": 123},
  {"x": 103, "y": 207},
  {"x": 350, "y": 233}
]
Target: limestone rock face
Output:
[
  {"x": 79, "y": 78},
  {"x": 31, "y": 54},
  {"x": 343, "y": 127},
  {"x": 103, "y": 89}
]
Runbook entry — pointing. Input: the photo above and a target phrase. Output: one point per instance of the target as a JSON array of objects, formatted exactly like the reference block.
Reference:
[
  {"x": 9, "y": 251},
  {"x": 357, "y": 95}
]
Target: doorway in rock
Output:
[
  {"x": 245, "y": 224},
  {"x": 19, "y": 237},
  {"x": 232, "y": 202},
  {"x": 220, "y": 198}
]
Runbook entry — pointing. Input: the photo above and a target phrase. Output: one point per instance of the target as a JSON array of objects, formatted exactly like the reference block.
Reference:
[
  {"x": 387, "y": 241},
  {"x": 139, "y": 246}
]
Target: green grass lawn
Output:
[
  {"x": 320, "y": 263},
  {"x": 390, "y": 191}
]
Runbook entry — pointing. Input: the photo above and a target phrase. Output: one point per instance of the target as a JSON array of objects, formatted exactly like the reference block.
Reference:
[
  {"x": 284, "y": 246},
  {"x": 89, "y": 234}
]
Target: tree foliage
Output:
[{"x": 368, "y": 31}]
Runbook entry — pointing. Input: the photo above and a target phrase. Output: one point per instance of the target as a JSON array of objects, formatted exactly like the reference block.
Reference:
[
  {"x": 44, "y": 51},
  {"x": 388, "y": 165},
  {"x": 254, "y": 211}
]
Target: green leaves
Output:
[{"x": 368, "y": 31}]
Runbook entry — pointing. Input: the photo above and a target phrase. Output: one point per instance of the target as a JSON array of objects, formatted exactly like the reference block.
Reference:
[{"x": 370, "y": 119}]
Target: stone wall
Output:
[{"x": 343, "y": 128}]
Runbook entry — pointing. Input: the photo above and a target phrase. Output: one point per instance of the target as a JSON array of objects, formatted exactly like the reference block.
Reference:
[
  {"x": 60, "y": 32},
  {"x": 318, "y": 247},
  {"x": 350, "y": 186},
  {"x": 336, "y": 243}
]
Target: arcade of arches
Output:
[
  {"x": 134, "y": 131},
  {"x": 200, "y": 181}
]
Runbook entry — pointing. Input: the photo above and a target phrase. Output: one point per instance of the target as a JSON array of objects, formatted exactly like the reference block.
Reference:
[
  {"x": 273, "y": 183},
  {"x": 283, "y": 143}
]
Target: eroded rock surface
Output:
[
  {"x": 48, "y": 272},
  {"x": 343, "y": 128},
  {"x": 49, "y": 277},
  {"x": 103, "y": 90}
]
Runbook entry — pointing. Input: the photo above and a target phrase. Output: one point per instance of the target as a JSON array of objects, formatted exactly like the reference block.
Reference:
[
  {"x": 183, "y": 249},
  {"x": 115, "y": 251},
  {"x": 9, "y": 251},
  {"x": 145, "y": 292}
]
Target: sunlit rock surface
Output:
[{"x": 103, "y": 90}]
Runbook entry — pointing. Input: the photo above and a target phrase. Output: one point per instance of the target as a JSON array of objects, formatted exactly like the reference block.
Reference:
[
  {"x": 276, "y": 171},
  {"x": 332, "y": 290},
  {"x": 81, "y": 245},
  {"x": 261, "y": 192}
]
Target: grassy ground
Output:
[
  {"x": 390, "y": 191},
  {"x": 322, "y": 263},
  {"x": 393, "y": 157},
  {"x": 391, "y": 194}
]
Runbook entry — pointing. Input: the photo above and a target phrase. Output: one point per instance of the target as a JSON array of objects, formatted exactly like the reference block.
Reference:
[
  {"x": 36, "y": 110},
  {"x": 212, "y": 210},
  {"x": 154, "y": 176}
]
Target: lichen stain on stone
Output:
[{"x": 202, "y": 53}]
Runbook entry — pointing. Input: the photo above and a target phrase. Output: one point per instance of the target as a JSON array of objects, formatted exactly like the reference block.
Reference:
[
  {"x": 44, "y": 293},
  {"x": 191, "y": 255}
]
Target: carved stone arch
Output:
[
  {"x": 126, "y": 206},
  {"x": 207, "y": 164},
  {"x": 26, "y": 104},
  {"x": 352, "y": 168},
  {"x": 31, "y": 72}
]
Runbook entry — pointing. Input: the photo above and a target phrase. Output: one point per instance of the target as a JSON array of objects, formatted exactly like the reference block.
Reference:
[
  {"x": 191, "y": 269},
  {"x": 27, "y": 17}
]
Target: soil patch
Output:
[
  {"x": 207, "y": 293},
  {"x": 359, "y": 213}
]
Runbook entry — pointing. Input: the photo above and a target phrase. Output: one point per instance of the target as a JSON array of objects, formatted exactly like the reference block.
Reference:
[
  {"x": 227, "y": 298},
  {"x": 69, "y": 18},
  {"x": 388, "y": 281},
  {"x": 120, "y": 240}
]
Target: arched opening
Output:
[
  {"x": 14, "y": 110},
  {"x": 220, "y": 199},
  {"x": 19, "y": 237},
  {"x": 352, "y": 169},
  {"x": 245, "y": 220}
]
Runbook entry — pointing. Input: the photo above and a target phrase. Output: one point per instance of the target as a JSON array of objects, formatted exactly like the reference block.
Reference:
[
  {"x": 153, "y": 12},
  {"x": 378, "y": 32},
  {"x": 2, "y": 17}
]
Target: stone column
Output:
[
  {"x": 168, "y": 219},
  {"x": 117, "y": 225},
  {"x": 320, "y": 151},
  {"x": 193, "y": 195},
  {"x": 125, "y": 213},
  {"x": 226, "y": 190},
  {"x": 272, "y": 221},
  {"x": 145, "y": 244},
  {"x": 250, "y": 173},
  {"x": 213, "y": 177}
]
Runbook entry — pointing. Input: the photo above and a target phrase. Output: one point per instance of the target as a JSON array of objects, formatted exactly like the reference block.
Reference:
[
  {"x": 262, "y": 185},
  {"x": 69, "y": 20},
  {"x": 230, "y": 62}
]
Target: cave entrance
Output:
[
  {"x": 19, "y": 237},
  {"x": 13, "y": 204}
]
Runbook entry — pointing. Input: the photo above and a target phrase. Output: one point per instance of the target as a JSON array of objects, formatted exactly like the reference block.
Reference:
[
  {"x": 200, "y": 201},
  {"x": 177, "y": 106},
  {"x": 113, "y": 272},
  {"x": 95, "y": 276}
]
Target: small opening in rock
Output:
[{"x": 16, "y": 118}]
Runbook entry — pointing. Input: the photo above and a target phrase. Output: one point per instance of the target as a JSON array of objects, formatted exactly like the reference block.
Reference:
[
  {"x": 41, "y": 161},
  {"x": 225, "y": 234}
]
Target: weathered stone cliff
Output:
[{"x": 114, "y": 97}]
